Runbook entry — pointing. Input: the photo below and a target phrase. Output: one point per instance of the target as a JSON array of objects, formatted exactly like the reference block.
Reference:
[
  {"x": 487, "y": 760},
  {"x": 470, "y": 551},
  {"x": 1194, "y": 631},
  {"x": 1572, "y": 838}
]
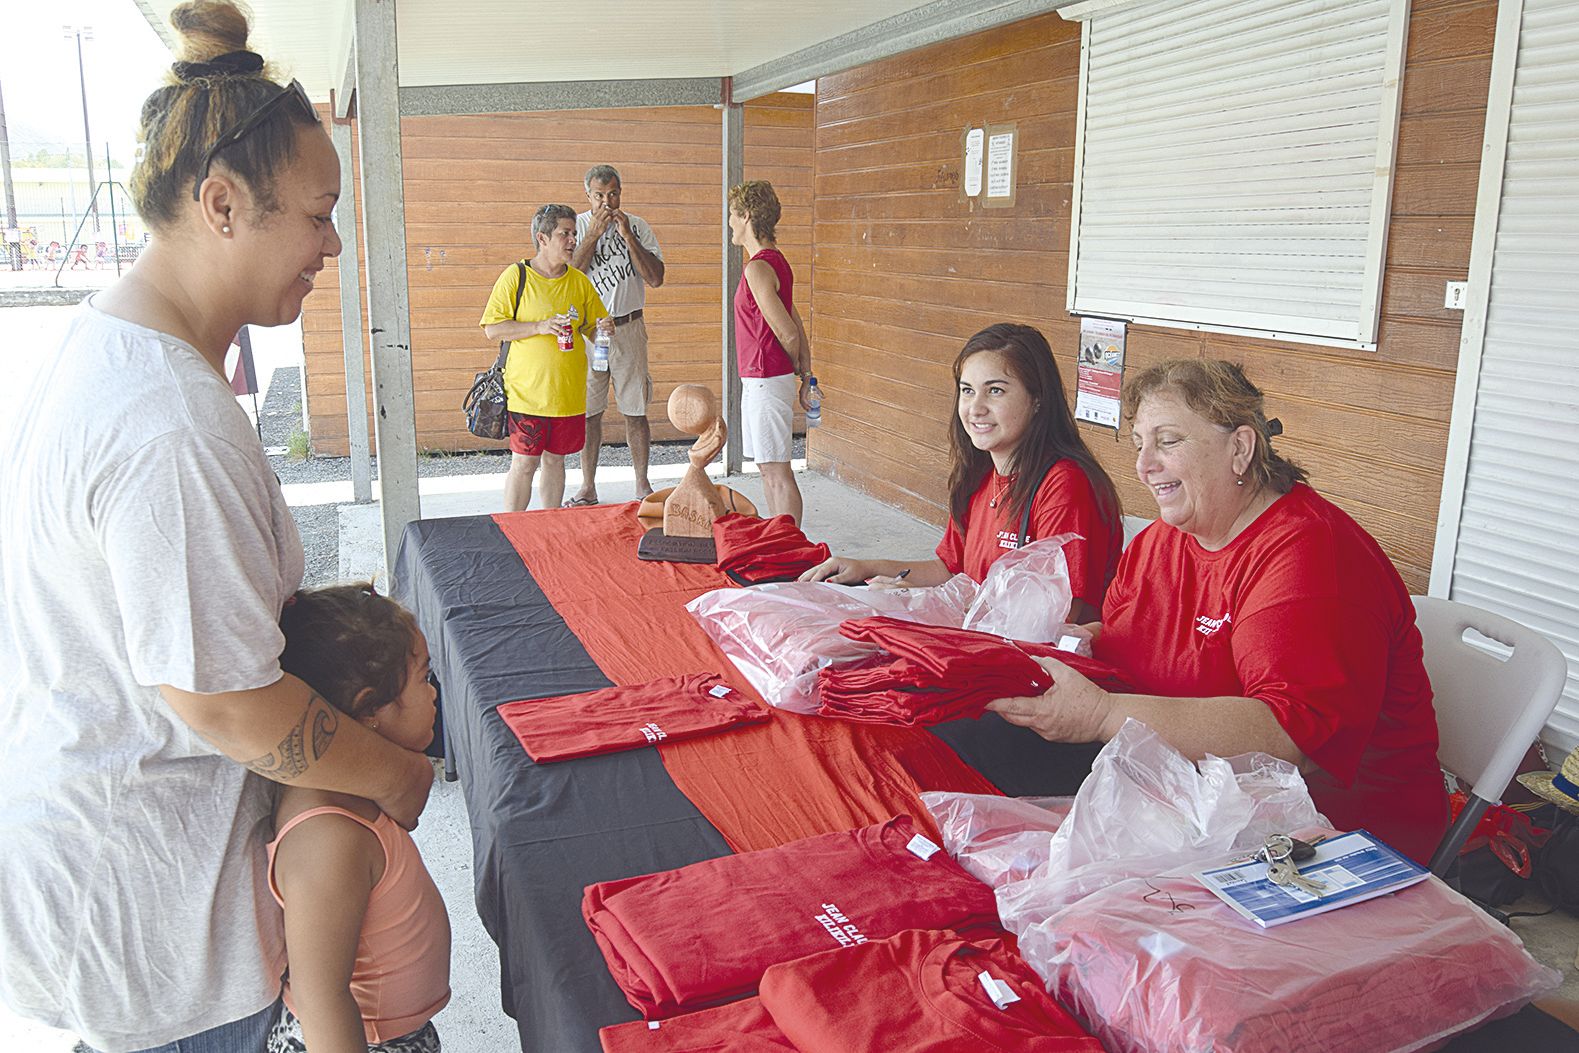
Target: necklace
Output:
[{"x": 1002, "y": 488}]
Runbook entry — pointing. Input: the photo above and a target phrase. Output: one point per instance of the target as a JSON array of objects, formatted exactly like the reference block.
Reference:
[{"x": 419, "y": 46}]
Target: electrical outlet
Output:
[{"x": 1457, "y": 293}]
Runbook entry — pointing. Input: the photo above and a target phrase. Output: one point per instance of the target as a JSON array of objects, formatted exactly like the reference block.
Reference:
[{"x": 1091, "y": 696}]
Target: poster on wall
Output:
[
  {"x": 974, "y": 140},
  {"x": 1000, "y": 165},
  {"x": 1100, "y": 370}
]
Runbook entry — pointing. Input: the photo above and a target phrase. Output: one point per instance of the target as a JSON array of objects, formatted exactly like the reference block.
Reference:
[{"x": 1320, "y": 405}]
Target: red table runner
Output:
[{"x": 764, "y": 785}]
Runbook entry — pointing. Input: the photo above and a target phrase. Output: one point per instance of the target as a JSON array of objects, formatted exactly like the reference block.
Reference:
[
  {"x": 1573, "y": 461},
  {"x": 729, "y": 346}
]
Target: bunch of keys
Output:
[{"x": 1280, "y": 854}]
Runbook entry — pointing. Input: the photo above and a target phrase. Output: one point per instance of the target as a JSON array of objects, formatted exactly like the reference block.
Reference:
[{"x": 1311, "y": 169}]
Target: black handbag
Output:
[{"x": 485, "y": 403}]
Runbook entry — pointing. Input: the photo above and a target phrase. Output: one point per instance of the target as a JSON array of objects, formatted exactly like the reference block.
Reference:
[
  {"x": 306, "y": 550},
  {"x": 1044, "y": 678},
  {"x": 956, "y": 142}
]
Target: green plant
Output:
[{"x": 298, "y": 447}]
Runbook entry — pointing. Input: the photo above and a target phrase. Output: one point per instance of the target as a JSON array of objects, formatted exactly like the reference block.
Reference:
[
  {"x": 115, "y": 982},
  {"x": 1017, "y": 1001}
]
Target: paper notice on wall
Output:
[
  {"x": 974, "y": 140},
  {"x": 1100, "y": 369},
  {"x": 1000, "y": 165}
]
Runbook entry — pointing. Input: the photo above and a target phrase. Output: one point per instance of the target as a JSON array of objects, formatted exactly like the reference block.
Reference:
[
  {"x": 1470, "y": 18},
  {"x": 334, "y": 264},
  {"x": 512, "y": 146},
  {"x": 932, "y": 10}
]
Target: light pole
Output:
[
  {"x": 14, "y": 247},
  {"x": 81, "y": 33}
]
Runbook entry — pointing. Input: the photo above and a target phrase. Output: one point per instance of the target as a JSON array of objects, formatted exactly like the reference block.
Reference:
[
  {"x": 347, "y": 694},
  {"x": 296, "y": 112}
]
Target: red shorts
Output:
[{"x": 532, "y": 436}]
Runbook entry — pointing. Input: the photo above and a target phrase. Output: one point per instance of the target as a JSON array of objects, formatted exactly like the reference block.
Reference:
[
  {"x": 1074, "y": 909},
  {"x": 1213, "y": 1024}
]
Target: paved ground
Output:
[{"x": 345, "y": 541}]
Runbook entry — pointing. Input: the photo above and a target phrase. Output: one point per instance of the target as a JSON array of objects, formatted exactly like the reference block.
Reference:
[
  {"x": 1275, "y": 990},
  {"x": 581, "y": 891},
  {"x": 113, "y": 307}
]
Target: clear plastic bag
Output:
[
  {"x": 1026, "y": 594},
  {"x": 1160, "y": 965},
  {"x": 779, "y": 635},
  {"x": 996, "y": 839},
  {"x": 1146, "y": 809},
  {"x": 1102, "y": 900}
]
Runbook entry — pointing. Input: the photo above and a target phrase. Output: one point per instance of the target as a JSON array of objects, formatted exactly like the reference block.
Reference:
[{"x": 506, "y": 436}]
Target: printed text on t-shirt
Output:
[
  {"x": 839, "y": 927},
  {"x": 1009, "y": 539},
  {"x": 653, "y": 732},
  {"x": 1207, "y": 626},
  {"x": 611, "y": 263}
]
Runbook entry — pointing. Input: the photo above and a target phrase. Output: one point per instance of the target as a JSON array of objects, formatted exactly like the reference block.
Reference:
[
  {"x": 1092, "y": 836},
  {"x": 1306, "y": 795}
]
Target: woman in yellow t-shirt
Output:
[{"x": 545, "y": 384}]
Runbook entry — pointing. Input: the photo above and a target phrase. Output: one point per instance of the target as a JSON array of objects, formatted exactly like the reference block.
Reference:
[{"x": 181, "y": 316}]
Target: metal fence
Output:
[{"x": 61, "y": 220}]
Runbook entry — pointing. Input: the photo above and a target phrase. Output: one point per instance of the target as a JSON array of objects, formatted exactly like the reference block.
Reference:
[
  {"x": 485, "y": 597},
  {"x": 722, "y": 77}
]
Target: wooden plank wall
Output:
[
  {"x": 471, "y": 186},
  {"x": 906, "y": 269}
]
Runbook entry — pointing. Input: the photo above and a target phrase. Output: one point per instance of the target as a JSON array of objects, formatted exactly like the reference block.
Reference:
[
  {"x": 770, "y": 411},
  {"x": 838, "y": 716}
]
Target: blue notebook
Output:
[{"x": 1353, "y": 868}]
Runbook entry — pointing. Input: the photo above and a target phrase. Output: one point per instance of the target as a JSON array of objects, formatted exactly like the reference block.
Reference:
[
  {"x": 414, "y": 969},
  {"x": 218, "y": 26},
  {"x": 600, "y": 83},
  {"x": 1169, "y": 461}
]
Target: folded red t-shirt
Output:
[
  {"x": 624, "y": 718},
  {"x": 740, "y": 1027},
  {"x": 704, "y": 934},
  {"x": 756, "y": 550},
  {"x": 918, "y": 992},
  {"x": 931, "y": 673}
]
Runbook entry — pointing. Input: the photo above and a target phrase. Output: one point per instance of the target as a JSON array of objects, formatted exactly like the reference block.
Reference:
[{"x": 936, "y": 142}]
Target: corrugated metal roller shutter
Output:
[
  {"x": 1229, "y": 170},
  {"x": 1518, "y": 542}
]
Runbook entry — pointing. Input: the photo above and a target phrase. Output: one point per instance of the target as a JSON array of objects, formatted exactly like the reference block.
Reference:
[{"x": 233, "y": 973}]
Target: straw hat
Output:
[{"x": 1560, "y": 787}]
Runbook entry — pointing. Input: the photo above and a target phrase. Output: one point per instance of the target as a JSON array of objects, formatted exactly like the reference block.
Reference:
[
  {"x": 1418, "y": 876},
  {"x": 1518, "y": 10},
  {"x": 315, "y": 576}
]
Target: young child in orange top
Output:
[{"x": 367, "y": 937}]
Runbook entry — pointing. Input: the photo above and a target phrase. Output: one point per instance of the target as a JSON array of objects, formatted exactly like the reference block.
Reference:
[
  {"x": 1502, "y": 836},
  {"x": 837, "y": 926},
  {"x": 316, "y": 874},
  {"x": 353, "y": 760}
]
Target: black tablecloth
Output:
[{"x": 542, "y": 833}]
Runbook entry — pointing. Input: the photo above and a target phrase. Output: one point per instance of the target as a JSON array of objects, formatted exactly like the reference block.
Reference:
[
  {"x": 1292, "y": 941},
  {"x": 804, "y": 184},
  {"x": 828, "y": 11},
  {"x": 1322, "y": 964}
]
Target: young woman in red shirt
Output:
[{"x": 1015, "y": 450}]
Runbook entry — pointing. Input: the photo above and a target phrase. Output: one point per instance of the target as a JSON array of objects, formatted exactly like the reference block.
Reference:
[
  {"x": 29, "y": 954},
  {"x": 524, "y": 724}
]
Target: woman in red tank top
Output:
[{"x": 770, "y": 344}]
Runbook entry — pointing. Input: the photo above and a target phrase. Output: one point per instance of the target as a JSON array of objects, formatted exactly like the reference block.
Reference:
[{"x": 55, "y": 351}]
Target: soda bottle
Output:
[
  {"x": 567, "y": 335},
  {"x": 600, "y": 352},
  {"x": 813, "y": 402}
]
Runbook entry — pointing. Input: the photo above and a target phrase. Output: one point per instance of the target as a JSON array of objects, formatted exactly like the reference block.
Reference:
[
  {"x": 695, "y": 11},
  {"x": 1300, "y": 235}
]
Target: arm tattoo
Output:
[
  {"x": 325, "y": 723},
  {"x": 294, "y": 755}
]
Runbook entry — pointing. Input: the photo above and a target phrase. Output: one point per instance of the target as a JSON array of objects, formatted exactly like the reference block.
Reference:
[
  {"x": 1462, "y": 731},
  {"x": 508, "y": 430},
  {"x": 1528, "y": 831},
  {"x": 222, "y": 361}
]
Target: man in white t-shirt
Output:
[{"x": 619, "y": 252}]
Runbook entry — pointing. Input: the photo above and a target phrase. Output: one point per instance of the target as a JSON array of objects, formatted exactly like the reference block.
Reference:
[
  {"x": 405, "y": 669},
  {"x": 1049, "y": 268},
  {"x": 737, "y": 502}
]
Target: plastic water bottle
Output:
[
  {"x": 813, "y": 402},
  {"x": 600, "y": 352}
]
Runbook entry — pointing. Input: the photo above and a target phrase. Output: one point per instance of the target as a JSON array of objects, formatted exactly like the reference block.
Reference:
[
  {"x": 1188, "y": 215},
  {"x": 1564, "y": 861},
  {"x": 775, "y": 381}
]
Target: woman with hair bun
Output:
[
  {"x": 1255, "y": 615},
  {"x": 148, "y": 553}
]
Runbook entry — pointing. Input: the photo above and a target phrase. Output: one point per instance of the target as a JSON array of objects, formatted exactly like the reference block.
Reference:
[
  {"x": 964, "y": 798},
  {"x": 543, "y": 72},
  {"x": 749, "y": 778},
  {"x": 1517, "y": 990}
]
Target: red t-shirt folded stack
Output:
[
  {"x": 625, "y": 718},
  {"x": 928, "y": 674},
  {"x": 916, "y": 992},
  {"x": 704, "y": 934},
  {"x": 753, "y": 550}
]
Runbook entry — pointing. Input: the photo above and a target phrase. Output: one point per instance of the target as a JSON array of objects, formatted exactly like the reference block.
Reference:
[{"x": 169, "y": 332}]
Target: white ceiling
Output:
[{"x": 508, "y": 41}]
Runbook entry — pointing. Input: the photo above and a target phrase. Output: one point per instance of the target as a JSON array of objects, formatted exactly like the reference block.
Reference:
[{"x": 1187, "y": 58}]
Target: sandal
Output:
[{"x": 580, "y": 502}]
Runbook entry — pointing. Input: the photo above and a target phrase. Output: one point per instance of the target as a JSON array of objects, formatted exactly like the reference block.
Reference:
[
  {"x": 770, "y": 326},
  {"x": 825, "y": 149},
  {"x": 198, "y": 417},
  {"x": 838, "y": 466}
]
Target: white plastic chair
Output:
[{"x": 1488, "y": 709}]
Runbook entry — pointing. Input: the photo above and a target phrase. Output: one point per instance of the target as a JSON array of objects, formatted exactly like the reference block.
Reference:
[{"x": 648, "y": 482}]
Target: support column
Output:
[
  {"x": 351, "y": 317},
  {"x": 734, "y": 128},
  {"x": 389, "y": 307},
  {"x": 14, "y": 248}
]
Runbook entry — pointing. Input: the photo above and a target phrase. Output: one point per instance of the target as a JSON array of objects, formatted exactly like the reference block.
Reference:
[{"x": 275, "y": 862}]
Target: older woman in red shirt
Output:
[{"x": 1255, "y": 615}]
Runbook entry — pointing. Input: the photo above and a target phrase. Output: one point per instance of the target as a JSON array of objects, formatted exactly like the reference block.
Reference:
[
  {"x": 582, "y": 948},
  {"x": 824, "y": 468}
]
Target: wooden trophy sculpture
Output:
[{"x": 688, "y": 510}]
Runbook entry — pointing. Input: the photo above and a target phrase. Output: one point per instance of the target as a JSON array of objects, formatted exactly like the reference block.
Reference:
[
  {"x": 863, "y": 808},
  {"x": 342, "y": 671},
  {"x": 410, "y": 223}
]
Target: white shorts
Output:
[
  {"x": 767, "y": 417},
  {"x": 627, "y": 372}
]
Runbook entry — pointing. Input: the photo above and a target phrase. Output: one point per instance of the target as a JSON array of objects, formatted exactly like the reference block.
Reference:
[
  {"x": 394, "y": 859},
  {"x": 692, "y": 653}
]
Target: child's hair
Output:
[{"x": 346, "y": 638}]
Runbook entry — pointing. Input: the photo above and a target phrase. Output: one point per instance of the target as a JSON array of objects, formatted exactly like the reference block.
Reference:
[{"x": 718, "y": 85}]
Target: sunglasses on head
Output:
[{"x": 292, "y": 93}]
